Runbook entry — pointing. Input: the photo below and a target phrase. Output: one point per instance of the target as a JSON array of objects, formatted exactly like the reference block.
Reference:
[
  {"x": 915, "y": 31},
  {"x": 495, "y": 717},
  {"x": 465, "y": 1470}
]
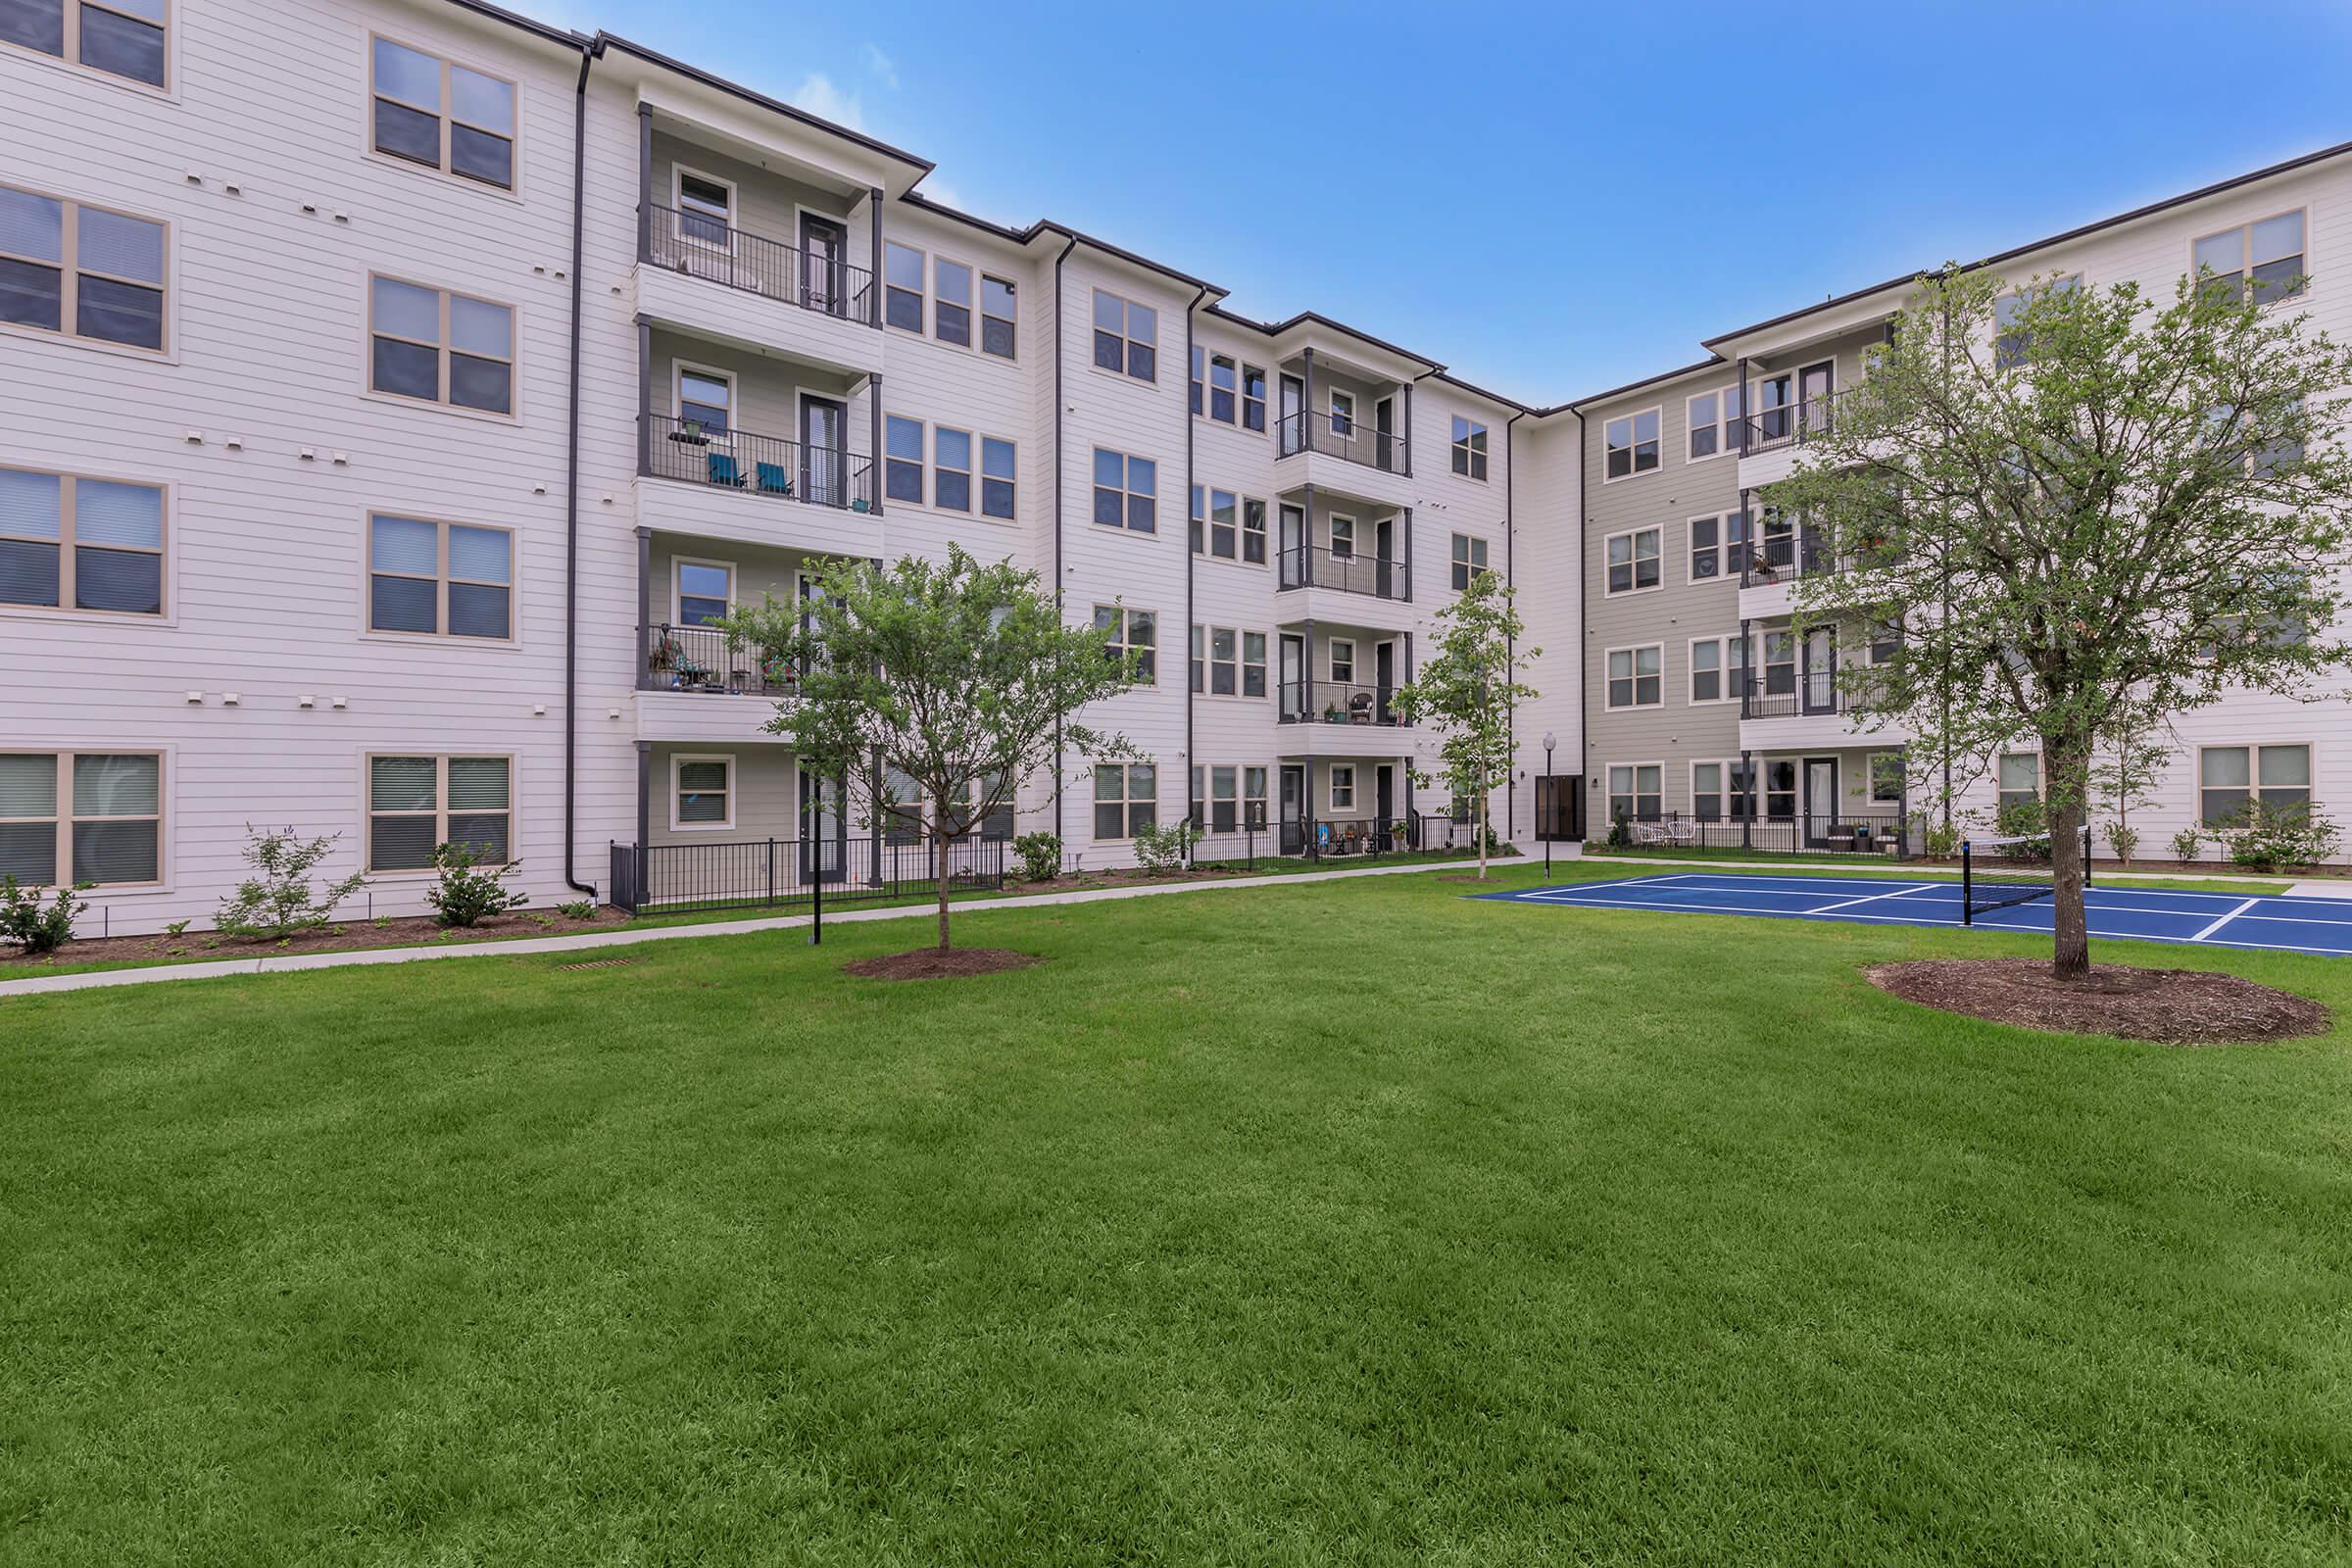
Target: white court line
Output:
[
  {"x": 2224, "y": 920},
  {"x": 1871, "y": 898},
  {"x": 2118, "y": 900}
]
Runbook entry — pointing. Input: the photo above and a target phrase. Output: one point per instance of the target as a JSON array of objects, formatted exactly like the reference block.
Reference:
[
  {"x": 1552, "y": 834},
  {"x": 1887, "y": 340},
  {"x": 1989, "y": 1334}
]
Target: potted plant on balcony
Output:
[
  {"x": 663, "y": 655},
  {"x": 1332, "y": 715},
  {"x": 690, "y": 433}
]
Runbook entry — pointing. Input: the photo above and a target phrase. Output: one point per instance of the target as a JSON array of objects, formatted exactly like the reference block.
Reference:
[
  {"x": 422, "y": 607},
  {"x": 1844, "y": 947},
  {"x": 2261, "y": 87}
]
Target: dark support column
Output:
[
  {"x": 645, "y": 600},
  {"x": 1306, "y": 538},
  {"x": 873, "y": 282},
  {"x": 1408, "y": 555},
  {"x": 1747, "y": 534},
  {"x": 1306, "y": 405},
  {"x": 1743, "y": 413},
  {"x": 1756, "y": 785},
  {"x": 644, "y": 808},
  {"x": 645, "y": 183},
  {"x": 1408, "y": 430},
  {"x": 1306, "y": 673},
  {"x": 873, "y": 439},
  {"x": 645, "y": 396}
]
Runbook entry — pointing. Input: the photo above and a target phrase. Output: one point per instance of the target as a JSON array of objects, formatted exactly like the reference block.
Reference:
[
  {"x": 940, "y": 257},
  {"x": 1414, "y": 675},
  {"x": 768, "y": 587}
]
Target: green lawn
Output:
[{"x": 1349, "y": 1223}]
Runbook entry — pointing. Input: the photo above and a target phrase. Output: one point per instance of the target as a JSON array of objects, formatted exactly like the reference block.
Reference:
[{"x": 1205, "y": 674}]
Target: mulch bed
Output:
[
  {"x": 932, "y": 963},
  {"x": 2171, "y": 1006},
  {"x": 407, "y": 931}
]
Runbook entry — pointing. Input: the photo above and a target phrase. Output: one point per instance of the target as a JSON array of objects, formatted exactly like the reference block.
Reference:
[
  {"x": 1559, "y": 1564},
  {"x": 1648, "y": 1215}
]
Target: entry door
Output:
[
  {"x": 1384, "y": 675},
  {"x": 1384, "y": 801},
  {"x": 1821, "y": 799},
  {"x": 1290, "y": 542},
  {"x": 1292, "y": 675},
  {"x": 1820, "y": 672},
  {"x": 824, "y": 831},
  {"x": 824, "y": 255},
  {"x": 1383, "y": 430},
  {"x": 1291, "y": 435},
  {"x": 824, "y": 423},
  {"x": 1384, "y": 551},
  {"x": 1294, "y": 808},
  {"x": 1814, "y": 384}
]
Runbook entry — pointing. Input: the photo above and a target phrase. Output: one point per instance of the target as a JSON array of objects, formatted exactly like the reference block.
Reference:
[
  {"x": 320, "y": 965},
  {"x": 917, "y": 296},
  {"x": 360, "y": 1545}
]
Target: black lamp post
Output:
[{"x": 1553, "y": 785}]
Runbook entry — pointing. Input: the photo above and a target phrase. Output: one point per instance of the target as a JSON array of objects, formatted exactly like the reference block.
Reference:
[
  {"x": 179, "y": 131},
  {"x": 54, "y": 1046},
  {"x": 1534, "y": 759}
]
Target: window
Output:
[
  {"x": 902, "y": 459},
  {"x": 1636, "y": 792},
  {"x": 2228, "y": 777},
  {"x": 440, "y": 347},
  {"x": 706, "y": 399},
  {"x": 1886, "y": 641},
  {"x": 1199, "y": 385},
  {"x": 1126, "y": 797},
  {"x": 444, "y": 116},
  {"x": 1469, "y": 559},
  {"x": 1254, "y": 401},
  {"x": 1718, "y": 546},
  {"x": 1630, "y": 445},
  {"x": 1235, "y": 799},
  {"x": 1718, "y": 668},
  {"x": 1343, "y": 537},
  {"x": 903, "y": 286},
  {"x": 113, "y": 290},
  {"x": 1714, "y": 424},
  {"x": 1634, "y": 560},
  {"x": 1342, "y": 660},
  {"x": 120, "y": 37},
  {"x": 2270, "y": 253},
  {"x": 1125, "y": 491},
  {"x": 1342, "y": 412},
  {"x": 67, "y": 542},
  {"x": 1000, "y": 316},
  {"x": 1780, "y": 664},
  {"x": 1253, "y": 531},
  {"x": 1634, "y": 676},
  {"x": 1228, "y": 662},
  {"x": 998, "y": 489},
  {"x": 706, "y": 208},
  {"x": 702, "y": 794},
  {"x": 1469, "y": 448},
  {"x": 1224, "y": 388},
  {"x": 1342, "y": 786},
  {"x": 417, "y": 804},
  {"x": 110, "y": 831},
  {"x": 439, "y": 578},
  {"x": 1131, "y": 631},
  {"x": 2012, "y": 340},
  {"x": 1780, "y": 791},
  {"x": 1126, "y": 336},
  {"x": 1719, "y": 791},
  {"x": 1887, "y": 776},
  {"x": 705, "y": 591},
  {"x": 951, "y": 468},
  {"x": 2019, "y": 780},
  {"x": 951, "y": 301}
]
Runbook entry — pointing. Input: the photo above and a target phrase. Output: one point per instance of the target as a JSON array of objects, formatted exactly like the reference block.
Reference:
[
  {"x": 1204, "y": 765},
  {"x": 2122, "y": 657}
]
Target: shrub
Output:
[
  {"x": 2269, "y": 837},
  {"x": 38, "y": 930},
  {"x": 1041, "y": 855},
  {"x": 1621, "y": 835},
  {"x": 577, "y": 909},
  {"x": 2026, "y": 819},
  {"x": 2123, "y": 841},
  {"x": 277, "y": 900},
  {"x": 466, "y": 895},
  {"x": 2186, "y": 843},
  {"x": 1941, "y": 841},
  {"x": 1166, "y": 848}
]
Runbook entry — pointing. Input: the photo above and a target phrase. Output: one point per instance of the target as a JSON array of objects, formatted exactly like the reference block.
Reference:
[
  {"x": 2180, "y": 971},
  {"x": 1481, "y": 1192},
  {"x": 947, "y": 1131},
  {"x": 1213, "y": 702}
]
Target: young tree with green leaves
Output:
[
  {"x": 1468, "y": 688},
  {"x": 934, "y": 690},
  {"x": 2090, "y": 513}
]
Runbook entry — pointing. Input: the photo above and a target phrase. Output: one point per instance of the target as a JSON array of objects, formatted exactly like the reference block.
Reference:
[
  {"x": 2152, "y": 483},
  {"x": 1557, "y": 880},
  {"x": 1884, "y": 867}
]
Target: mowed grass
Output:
[{"x": 1356, "y": 1223}]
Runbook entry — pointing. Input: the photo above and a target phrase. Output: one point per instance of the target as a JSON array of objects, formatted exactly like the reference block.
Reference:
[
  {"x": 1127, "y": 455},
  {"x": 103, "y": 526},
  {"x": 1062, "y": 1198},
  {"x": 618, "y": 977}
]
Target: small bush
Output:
[
  {"x": 25, "y": 921},
  {"x": 2187, "y": 844},
  {"x": 1941, "y": 841},
  {"x": 1166, "y": 848},
  {"x": 466, "y": 895},
  {"x": 2272, "y": 838},
  {"x": 2123, "y": 841},
  {"x": 1041, "y": 855},
  {"x": 1621, "y": 833},
  {"x": 278, "y": 899},
  {"x": 2026, "y": 819},
  {"x": 577, "y": 909}
]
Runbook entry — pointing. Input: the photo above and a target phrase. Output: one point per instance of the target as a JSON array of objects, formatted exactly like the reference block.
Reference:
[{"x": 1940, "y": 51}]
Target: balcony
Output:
[
  {"x": 1346, "y": 438},
  {"x": 701, "y": 246},
  {"x": 1792, "y": 423},
  {"x": 1795, "y": 694},
  {"x": 1340, "y": 703},
  {"x": 704, "y": 660},
  {"x": 1320, "y": 567},
  {"x": 763, "y": 466}
]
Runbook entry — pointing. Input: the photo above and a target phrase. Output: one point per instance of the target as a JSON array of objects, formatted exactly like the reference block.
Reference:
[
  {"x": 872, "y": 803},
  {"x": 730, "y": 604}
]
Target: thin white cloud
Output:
[
  {"x": 885, "y": 68},
  {"x": 818, "y": 94},
  {"x": 939, "y": 190}
]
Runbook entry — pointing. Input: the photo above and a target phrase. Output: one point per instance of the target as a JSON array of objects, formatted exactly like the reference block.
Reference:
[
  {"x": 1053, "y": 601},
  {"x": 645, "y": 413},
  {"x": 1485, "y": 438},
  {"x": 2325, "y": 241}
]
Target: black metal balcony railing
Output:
[
  {"x": 1338, "y": 702},
  {"x": 706, "y": 659},
  {"x": 757, "y": 465},
  {"x": 1350, "y": 439},
  {"x": 1781, "y": 554},
  {"x": 1800, "y": 692},
  {"x": 705, "y": 247},
  {"x": 1315, "y": 567},
  {"x": 1791, "y": 423}
]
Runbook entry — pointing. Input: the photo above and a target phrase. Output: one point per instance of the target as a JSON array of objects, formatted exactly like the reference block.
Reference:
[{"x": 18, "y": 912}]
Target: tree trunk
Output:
[
  {"x": 2064, "y": 777},
  {"x": 1484, "y": 811},
  {"x": 939, "y": 869}
]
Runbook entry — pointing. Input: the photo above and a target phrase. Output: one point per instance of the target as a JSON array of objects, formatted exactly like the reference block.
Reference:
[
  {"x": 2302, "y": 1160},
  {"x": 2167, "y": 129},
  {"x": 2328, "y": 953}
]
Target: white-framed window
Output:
[
  {"x": 706, "y": 207},
  {"x": 902, "y": 459},
  {"x": 951, "y": 468},
  {"x": 1128, "y": 631},
  {"x": 1227, "y": 527},
  {"x": 1635, "y": 560},
  {"x": 1229, "y": 798},
  {"x": 126, "y": 38},
  {"x": 1468, "y": 560},
  {"x": 1254, "y": 398},
  {"x": 2012, "y": 340},
  {"x": 71, "y": 542},
  {"x": 902, "y": 267},
  {"x": 951, "y": 301},
  {"x": 1126, "y": 491},
  {"x": 999, "y": 317},
  {"x": 1780, "y": 664},
  {"x": 704, "y": 398},
  {"x": 442, "y": 115},
  {"x": 1630, "y": 445},
  {"x": 999, "y": 489},
  {"x": 1637, "y": 791},
  {"x": 1228, "y": 662},
  {"x": 1469, "y": 448},
  {"x": 1222, "y": 382},
  {"x": 702, "y": 592},
  {"x": 79, "y": 270},
  {"x": 1342, "y": 412},
  {"x": 2267, "y": 255},
  {"x": 2019, "y": 780},
  {"x": 1126, "y": 336},
  {"x": 702, "y": 792},
  {"x": 1126, "y": 798},
  {"x": 1342, "y": 651},
  {"x": 1637, "y": 676},
  {"x": 1780, "y": 789},
  {"x": 1342, "y": 786},
  {"x": 1886, "y": 778},
  {"x": 1718, "y": 546},
  {"x": 1719, "y": 791},
  {"x": 1886, "y": 641},
  {"x": 1718, "y": 668},
  {"x": 2228, "y": 776},
  {"x": 417, "y": 804},
  {"x": 95, "y": 817},
  {"x": 439, "y": 579},
  {"x": 1714, "y": 423},
  {"x": 435, "y": 345},
  {"x": 1343, "y": 536}
]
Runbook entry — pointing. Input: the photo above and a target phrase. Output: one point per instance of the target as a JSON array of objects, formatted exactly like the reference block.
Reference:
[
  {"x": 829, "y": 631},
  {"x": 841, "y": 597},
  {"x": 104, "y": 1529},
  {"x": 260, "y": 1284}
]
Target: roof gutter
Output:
[
  {"x": 1190, "y": 561},
  {"x": 571, "y": 488},
  {"x": 1060, "y": 485}
]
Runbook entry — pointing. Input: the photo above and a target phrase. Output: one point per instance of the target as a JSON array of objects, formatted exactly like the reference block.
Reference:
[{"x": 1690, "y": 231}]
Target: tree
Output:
[
  {"x": 1469, "y": 688},
  {"x": 933, "y": 691},
  {"x": 2127, "y": 771},
  {"x": 2089, "y": 514},
  {"x": 278, "y": 900}
]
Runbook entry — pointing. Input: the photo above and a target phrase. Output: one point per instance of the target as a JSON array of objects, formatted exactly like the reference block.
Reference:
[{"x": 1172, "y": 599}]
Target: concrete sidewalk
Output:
[{"x": 283, "y": 963}]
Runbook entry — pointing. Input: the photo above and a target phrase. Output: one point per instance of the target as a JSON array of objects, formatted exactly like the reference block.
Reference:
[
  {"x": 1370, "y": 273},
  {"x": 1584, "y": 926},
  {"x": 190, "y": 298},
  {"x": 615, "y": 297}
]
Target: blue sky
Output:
[{"x": 1611, "y": 184}]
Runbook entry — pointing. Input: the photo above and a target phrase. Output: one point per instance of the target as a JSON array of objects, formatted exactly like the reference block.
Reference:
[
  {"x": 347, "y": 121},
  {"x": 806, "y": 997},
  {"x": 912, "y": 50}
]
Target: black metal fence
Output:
[
  {"x": 782, "y": 873},
  {"x": 1350, "y": 439},
  {"x": 705, "y": 658},
  {"x": 1839, "y": 833},
  {"x": 1337, "y": 701},
  {"x": 1793, "y": 421},
  {"x": 757, "y": 465},
  {"x": 1812, "y": 691},
  {"x": 701, "y": 246},
  {"x": 1331, "y": 838},
  {"x": 1317, "y": 566}
]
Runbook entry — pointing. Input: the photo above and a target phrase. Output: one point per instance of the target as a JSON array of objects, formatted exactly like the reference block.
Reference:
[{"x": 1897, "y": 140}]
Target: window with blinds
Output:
[
  {"x": 82, "y": 271},
  {"x": 73, "y": 543},
  {"x": 432, "y": 578},
  {"x": 706, "y": 793},
  {"x": 417, "y": 804},
  {"x": 97, "y": 815}
]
